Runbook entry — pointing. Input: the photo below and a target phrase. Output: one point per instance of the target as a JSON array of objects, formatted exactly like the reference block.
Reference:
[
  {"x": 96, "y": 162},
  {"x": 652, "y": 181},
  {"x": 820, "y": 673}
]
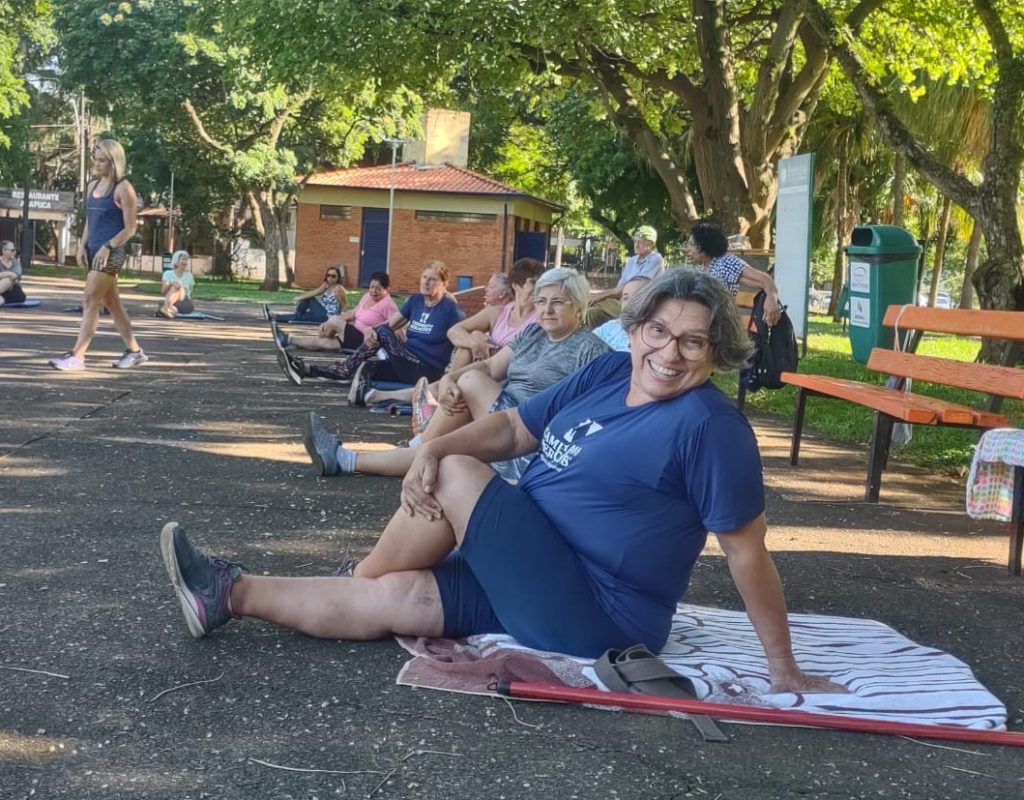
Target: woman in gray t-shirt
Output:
[{"x": 540, "y": 355}]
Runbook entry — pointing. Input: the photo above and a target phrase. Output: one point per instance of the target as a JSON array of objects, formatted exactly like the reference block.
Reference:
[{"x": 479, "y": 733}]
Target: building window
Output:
[
  {"x": 335, "y": 212},
  {"x": 455, "y": 216}
]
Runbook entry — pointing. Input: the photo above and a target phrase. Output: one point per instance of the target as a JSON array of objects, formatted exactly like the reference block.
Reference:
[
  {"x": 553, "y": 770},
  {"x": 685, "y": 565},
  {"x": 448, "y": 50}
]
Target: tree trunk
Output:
[
  {"x": 899, "y": 182},
  {"x": 940, "y": 249},
  {"x": 970, "y": 265},
  {"x": 842, "y": 193},
  {"x": 265, "y": 220}
]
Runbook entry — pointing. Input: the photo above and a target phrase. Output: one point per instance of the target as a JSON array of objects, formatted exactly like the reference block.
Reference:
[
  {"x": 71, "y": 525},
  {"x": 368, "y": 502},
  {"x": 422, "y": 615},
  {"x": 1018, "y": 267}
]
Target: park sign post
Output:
[
  {"x": 38, "y": 200},
  {"x": 793, "y": 237}
]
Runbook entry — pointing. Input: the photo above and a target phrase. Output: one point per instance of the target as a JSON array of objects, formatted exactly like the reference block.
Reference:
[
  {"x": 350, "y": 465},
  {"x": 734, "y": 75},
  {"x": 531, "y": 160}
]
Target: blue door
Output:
[
  {"x": 373, "y": 248},
  {"x": 531, "y": 244}
]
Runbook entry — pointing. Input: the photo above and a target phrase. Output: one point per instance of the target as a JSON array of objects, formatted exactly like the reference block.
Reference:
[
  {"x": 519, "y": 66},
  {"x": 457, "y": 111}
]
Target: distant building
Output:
[{"x": 475, "y": 224}]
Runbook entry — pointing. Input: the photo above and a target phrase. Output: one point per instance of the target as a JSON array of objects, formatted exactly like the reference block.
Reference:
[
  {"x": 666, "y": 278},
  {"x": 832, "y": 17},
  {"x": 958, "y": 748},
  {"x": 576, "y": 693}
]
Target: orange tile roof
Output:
[{"x": 442, "y": 178}]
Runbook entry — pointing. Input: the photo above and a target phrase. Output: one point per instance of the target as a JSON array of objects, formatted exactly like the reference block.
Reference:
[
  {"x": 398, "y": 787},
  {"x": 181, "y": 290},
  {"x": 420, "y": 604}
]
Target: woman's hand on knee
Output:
[{"x": 419, "y": 484}]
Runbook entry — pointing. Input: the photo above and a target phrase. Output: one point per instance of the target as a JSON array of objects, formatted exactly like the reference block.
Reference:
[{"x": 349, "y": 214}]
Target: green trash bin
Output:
[{"x": 882, "y": 265}]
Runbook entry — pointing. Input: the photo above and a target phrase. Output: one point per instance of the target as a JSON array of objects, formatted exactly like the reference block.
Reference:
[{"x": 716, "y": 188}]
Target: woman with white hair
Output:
[
  {"x": 178, "y": 283},
  {"x": 537, "y": 357},
  {"x": 110, "y": 223}
]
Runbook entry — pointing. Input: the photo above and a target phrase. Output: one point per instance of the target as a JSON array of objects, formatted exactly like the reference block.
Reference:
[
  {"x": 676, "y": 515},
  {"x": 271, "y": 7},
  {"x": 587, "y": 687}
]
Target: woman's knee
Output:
[{"x": 460, "y": 482}]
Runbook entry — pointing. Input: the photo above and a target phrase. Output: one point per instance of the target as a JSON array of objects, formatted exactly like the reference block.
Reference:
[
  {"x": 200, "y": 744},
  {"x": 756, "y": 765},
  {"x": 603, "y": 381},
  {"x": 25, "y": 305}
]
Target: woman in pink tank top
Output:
[{"x": 487, "y": 331}]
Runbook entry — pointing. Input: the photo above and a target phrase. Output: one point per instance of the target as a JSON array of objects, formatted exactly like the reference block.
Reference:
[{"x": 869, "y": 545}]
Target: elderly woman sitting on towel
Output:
[{"x": 641, "y": 455}]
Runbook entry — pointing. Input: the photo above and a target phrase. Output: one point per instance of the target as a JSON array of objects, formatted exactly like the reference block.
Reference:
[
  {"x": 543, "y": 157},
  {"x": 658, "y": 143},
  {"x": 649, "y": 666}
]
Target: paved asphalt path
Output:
[{"x": 93, "y": 464}]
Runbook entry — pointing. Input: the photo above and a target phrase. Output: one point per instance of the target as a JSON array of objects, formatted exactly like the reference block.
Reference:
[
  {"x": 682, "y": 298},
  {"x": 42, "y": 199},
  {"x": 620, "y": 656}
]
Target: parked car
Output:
[
  {"x": 942, "y": 300},
  {"x": 818, "y": 300}
]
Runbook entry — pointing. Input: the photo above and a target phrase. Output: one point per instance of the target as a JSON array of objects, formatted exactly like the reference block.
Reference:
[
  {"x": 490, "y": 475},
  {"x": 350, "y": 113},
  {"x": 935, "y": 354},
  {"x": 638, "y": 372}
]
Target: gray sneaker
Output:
[
  {"x": 202, "y": 583},
  {"x": 321, "y": 446},
  {"x": 130, "y": 358}
]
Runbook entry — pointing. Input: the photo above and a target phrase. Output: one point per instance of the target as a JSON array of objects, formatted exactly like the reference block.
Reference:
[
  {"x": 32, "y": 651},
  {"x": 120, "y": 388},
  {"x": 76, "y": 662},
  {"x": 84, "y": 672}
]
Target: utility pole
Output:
[{"x": 28, "y": 238}]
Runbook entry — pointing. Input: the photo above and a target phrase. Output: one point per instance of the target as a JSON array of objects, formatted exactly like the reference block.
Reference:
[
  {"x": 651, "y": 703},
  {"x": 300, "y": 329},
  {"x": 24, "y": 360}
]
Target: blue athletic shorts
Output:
[{"x": 515, "y": 574}]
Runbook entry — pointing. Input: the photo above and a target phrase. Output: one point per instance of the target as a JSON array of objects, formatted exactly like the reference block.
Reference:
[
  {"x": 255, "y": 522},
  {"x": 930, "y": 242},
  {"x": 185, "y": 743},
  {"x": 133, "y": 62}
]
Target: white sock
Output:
[{"x": 346, "y": 459}]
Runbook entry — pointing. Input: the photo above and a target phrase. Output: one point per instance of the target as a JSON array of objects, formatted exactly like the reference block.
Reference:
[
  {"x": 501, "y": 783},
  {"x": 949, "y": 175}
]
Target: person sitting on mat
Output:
[
  {"x": 611, "y": 332},
  {"x": 345, "y": 331},
  {"x": 481, "y": 336},
  {"x": 10, "y": 275},
  {"x": 641, "y": 455},
  {"x": 425, "y": 318},
  {"x": 320, "y": 304},
  {"x": 494, "y": 326},
  {"x": 178, "y": 284},
  {"x": 539, "y": 356}
]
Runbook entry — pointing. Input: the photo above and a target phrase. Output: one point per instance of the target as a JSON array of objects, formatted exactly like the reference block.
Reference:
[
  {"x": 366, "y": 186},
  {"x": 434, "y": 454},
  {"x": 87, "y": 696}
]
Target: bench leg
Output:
[
  {"x": 798, "y": 426},
  {"x": 1017, "y": 523},
  {"x": 878, "y": 455}
]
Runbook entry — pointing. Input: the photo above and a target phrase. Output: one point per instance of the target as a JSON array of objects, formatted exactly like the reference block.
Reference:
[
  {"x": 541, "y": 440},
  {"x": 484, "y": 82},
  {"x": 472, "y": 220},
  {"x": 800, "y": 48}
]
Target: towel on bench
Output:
[
  {"x": 990, "y": 483},
  {"x": 889, "y": 676}
]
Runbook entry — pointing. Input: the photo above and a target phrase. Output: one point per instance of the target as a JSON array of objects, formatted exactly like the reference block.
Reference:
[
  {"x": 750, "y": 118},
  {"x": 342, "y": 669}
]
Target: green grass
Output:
[
  {"x": 243, "y": 291},
  {"x": 828, "y": 353}
]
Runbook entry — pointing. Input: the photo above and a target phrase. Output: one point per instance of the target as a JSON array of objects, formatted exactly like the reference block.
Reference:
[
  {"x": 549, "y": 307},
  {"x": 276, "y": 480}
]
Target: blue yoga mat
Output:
[
  {"x": 192, "y": 315},
  {"x": 25, "y": 304}
]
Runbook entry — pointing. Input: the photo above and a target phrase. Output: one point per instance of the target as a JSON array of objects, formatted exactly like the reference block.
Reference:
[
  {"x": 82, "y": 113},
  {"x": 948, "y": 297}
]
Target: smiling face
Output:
[
  {"x": 670, "y": 352},
  {"x": 376, "y": 291},
  {"x": 556, "y": 313},
  {"x": 431, "y": 285}
]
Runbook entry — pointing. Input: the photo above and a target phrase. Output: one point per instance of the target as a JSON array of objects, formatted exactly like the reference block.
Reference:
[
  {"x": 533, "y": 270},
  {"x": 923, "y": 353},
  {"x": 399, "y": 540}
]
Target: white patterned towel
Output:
[{"x": 889, "y": 677}]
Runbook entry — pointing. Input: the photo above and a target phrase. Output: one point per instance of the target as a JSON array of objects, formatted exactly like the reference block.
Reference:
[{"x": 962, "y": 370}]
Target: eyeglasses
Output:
[
  {"x": 692, "y": 347},
  {"x": 557, "y": 304},
  {"x": 332, "y": 275}
]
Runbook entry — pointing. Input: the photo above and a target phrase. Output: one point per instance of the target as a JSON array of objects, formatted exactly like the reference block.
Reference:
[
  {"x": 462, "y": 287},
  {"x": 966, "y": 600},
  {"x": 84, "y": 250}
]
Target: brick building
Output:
[{"x": 474, "y": 224}]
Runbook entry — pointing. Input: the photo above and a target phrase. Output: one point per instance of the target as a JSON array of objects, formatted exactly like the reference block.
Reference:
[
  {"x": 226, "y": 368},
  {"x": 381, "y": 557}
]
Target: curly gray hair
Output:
[{"x": 730, "y": 344}]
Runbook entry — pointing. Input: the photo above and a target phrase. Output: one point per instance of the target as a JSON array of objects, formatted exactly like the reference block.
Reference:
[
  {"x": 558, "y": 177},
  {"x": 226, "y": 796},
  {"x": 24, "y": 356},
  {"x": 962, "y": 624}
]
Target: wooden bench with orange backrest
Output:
[{"x": 892, "y": 403}]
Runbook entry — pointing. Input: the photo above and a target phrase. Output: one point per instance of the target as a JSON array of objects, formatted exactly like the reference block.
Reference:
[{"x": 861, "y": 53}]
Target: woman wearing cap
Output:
[
  {"x": 645, "y": 262},
  {"x": 708, "y": 248}
]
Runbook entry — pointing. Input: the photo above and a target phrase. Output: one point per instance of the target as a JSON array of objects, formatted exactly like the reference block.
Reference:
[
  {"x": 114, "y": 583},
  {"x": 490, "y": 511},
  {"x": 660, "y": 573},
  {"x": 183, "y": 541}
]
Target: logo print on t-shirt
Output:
[{"x": 559, "y": 453}]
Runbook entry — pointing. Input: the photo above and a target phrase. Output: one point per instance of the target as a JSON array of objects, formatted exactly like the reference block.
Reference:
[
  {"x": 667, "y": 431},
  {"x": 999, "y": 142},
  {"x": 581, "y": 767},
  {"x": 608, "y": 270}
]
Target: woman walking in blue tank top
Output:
[{"x": 110, "y": 222}]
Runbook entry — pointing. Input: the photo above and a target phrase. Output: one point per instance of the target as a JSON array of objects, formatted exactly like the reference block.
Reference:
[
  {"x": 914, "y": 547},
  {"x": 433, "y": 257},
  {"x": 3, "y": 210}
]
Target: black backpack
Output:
[{"x": 775, "y": 349}]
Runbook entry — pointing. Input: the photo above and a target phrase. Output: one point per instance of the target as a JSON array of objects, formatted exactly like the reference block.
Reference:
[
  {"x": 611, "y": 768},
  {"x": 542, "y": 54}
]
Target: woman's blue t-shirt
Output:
[
  {"x": 428, "y": 328},
  {"x": 634, "y": 490}
]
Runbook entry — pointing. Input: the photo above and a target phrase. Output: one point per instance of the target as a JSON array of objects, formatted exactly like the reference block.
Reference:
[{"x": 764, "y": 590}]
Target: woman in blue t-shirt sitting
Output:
[
  {"x": 424, "y": 353},
  {"x": 640, "y": 456}
]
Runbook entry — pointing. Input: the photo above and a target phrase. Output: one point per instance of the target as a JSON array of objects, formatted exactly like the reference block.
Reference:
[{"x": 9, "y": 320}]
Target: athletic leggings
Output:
[{"x": 401, "y": 366}]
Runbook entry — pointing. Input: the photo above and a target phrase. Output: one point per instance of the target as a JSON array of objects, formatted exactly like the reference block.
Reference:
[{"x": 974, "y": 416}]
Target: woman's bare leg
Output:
[
  {"x": 417, "y": 543},
  {"x": 461, "y": 356},
  {"x": 479, "y": 391},
  {"x": 172, "y": 296},
  {"x": 120, "y": 316},
  {"x": 405, "y": 603},
  {"x": 321, "y": 343},
  {"x": 97, "y": 286},
  {"x": 390, "y": 463}
]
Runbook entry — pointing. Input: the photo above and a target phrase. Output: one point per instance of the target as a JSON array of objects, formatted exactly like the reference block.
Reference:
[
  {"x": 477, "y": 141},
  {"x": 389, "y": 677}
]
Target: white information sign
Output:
[
  {"x": 860, "y": 312},
  {"x": 793, "y": 237},
  {"x": 860, "y": 277}
]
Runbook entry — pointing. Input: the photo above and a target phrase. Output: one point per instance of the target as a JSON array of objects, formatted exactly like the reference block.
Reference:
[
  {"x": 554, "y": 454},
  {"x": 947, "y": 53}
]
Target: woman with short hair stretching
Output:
[{"x": 110, "y": 222}]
